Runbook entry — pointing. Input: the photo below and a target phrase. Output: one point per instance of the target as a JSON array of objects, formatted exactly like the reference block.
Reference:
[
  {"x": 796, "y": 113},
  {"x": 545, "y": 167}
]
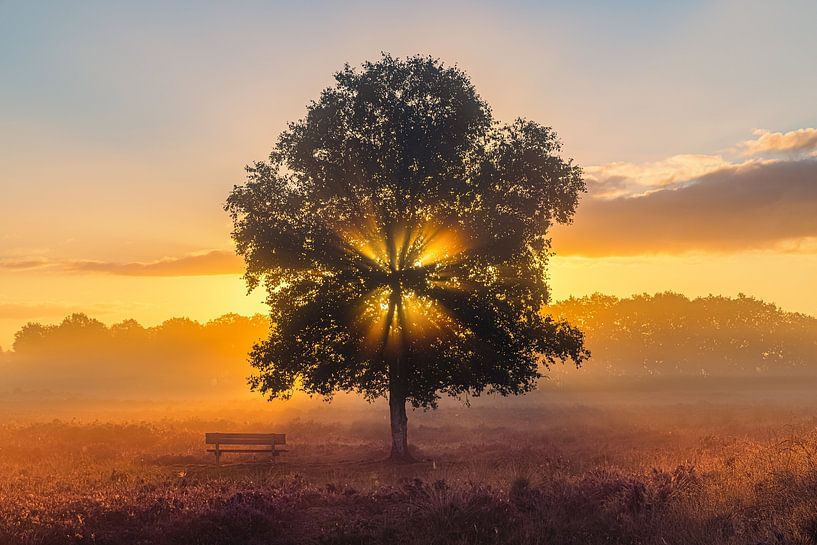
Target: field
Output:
[{"x": 563, "y": 473}]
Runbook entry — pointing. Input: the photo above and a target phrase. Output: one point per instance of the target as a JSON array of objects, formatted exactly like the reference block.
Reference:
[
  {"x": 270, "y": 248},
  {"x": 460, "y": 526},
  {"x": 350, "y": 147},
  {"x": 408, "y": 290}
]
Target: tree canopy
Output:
[{"x": 401, "y": 234}]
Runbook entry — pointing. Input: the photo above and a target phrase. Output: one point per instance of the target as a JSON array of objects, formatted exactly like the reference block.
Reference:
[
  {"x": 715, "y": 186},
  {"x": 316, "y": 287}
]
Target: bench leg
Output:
[{"x": 218, "y": 456}]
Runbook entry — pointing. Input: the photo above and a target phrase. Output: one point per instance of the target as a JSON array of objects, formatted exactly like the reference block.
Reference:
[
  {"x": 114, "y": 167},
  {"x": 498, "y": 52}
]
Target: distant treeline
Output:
[
  {"x": 663, "y": 335},
  {"x": 179, "y": 358},
  {"x": 668, "y": 334}
]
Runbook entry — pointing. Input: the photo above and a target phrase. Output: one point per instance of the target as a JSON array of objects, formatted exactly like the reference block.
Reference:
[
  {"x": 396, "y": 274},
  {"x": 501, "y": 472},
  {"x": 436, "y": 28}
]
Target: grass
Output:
[{"x": 552, "y": 474}]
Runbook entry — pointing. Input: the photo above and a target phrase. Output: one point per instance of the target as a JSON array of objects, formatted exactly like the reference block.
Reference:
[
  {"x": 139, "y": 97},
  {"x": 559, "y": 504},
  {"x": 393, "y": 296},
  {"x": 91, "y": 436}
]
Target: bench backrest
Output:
[{"x": 245, "y": 438}]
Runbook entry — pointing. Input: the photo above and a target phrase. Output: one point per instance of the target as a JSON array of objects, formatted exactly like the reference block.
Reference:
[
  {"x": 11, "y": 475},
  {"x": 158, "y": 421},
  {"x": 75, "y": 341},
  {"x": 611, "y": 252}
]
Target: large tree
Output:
[{"x": 401, "y": 235}]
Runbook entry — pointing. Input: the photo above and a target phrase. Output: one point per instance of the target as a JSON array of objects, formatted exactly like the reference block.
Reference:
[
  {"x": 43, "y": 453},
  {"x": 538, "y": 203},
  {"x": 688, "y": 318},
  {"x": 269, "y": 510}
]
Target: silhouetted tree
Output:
[
  {"x": 179, "y": 358},
  {"x": 401, "y": 236}
]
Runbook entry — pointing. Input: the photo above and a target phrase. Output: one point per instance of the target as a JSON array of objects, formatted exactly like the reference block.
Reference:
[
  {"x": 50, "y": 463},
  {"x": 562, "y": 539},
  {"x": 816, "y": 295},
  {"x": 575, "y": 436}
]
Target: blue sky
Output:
[{"x": 620, "y": 80}]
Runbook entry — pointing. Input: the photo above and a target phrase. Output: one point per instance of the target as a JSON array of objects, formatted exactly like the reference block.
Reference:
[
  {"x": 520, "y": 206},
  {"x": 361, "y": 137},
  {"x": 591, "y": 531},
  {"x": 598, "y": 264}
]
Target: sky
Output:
[{"x": 123, "y": 127}]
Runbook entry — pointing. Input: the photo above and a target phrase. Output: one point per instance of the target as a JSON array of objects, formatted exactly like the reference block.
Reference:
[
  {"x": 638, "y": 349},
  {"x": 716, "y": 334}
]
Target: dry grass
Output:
[{"x": 694, "y": 474}]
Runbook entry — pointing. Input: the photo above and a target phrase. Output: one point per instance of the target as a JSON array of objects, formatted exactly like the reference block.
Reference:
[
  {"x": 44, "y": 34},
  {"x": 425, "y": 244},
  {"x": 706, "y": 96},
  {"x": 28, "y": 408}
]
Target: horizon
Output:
[
  {"x": 694, "y": 347},
  {"x": 553, "y": 304}
]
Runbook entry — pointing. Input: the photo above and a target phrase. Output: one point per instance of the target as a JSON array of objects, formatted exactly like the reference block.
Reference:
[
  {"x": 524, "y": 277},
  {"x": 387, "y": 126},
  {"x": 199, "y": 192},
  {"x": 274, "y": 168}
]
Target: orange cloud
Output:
[
  {"x": 745, "y": 207},
  {"x": 618, "y": 179},
  {"x": 625, "y": 179},
  {"x": 799, "y": 141},
  {"x": 209, "y": 263},
  {"x": 213, "y": 262},
  {"x": 24, "y": 264}
]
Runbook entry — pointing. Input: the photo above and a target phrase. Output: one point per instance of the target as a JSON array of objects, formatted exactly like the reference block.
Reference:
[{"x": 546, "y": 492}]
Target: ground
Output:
[{"x": 559, "y": 473}]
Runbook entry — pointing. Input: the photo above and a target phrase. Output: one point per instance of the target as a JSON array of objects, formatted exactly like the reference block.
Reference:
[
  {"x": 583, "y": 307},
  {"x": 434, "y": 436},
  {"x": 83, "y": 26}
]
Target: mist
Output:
[{"x": 663, "y": 346}]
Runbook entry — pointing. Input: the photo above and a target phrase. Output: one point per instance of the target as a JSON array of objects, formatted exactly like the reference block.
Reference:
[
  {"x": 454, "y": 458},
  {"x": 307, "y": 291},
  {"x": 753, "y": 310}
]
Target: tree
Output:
[
  {"x": 671, "y": 336},
  {"x": 401, "y": 236}
]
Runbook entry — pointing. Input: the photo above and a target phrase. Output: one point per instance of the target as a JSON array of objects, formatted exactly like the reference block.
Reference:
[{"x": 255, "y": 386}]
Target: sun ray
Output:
[{"x": 406, "y": 261}]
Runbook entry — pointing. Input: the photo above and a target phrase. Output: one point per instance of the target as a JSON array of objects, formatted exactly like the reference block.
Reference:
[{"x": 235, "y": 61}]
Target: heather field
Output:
[
  {"x": 479, "y": 273},
  {"x": 565, "y": 473}
]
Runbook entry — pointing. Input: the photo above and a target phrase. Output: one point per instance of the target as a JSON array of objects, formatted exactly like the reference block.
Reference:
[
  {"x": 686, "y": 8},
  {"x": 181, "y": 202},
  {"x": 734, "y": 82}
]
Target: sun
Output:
[{"x": 408, "y": 262}]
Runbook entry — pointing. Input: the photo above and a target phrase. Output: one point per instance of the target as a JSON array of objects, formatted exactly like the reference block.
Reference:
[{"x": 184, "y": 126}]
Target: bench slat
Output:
[
  {"x": 261, "y": 451},
  {"x": 221, "y": 434},
  {"x": 245, "y": 438}
]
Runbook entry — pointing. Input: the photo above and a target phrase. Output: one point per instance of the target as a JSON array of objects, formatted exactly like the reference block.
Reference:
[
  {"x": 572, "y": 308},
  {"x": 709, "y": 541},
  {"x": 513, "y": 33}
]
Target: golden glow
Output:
[
  {"x": 391, "y": 313},
  {"x": 425, "y": 316},
  {"x": 167, "y": 204},
  {"x": 440, "y": 246},
  {"x": 372, "y": 317},
  {"x": 429, "y": 244},
  {"x": 363, "y": 238},
  {"x": 420, "y": 318},
  {"x": 756, "y": 273},
  {"x": 172, "y": 173},
  {"x": 48, "y": 297}
]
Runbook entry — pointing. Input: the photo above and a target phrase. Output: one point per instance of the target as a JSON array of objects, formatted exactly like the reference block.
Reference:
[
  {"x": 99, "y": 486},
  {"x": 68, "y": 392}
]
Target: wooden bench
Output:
[{"x": 233, "y": 440}]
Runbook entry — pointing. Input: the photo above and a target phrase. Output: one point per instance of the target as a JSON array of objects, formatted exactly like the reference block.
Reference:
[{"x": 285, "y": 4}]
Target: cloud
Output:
[
  {"x": 758, "y": 194},
  {"x": 212, "y": 262},
  {"x": 800, "y": 141},
  {"x": 24, "y": 264},
  {"x": 758, "y": 205},
  {"x": 209, "y": 263},
  {"x": 619, "y": 179}
]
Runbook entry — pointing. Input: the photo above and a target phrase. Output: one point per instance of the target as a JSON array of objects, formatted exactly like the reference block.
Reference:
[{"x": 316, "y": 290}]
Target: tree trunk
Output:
[
  {"x": 398, "y": 387},
  {"x": 399, "y": 428}
]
